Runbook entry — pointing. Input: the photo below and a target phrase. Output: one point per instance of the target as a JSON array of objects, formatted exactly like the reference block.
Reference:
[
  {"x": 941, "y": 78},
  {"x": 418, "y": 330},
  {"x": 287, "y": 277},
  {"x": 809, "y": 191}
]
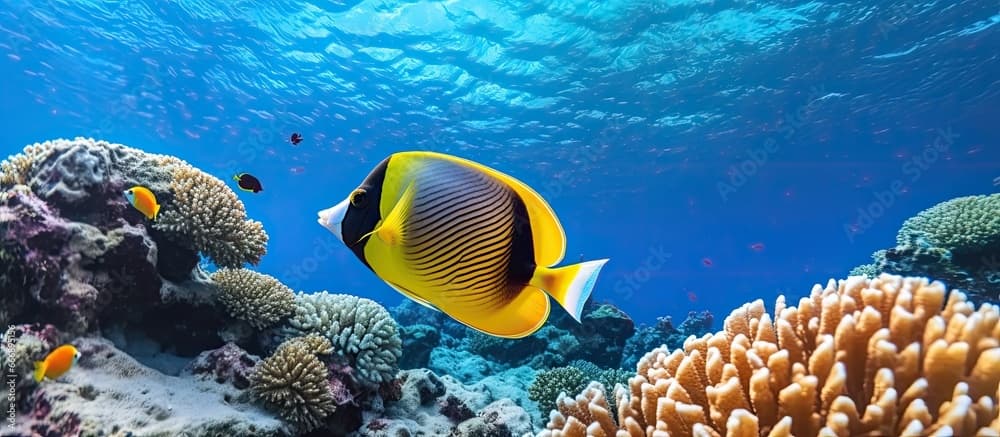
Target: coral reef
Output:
[
  {"x": 418, "y": 342},
  {"x": 549, "y": 384},
  {"x": 884, "y": 356},
  {"x": 432, "y": 405},
  {"x": 207, "y": 216},
  {"x": 228, "y": 364},
  {"x": 601, "y": 338},
  {"x": 956, "y": 241},
  {"x": 294, "y": 381},
  {"x": 256, "y": 298},
  {"x": 76, "y": 255},
  {"x": 362, "y": 332},
  {"x": 168, "y": 349},
  {"x": 101, "y": 396},
  {"x": 664, "y": 333}
]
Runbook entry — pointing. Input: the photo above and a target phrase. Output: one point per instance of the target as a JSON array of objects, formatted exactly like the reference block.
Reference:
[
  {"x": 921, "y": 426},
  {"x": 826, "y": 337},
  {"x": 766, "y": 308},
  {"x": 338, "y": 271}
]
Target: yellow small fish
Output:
[
  {"x": 143, "y": 200},
  {"x": 465, "y": 239},
  {"x": 57, "y": 363}
]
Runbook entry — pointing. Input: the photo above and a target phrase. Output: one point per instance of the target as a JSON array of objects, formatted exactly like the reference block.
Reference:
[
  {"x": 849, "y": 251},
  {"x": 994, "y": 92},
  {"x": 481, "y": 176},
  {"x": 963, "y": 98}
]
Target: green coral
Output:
[
  {"x": 360, "y": 330},
  {"x": 609, "y": 378},
  {"x": 871, "y": 269},
  {"x": 293, "y": 381},
  {"x": 207, "y": 215},
  {"x": 956, "y": 241},
  {"x": 259, "y": 299},
  {"x": 549, "y": 383},
  {"x": 606, "y": 377},
  {"x": 962, "y": 224}
]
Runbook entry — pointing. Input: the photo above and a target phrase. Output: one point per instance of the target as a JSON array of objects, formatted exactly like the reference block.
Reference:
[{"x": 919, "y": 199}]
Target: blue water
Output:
[{"x": 667, "y": 136}]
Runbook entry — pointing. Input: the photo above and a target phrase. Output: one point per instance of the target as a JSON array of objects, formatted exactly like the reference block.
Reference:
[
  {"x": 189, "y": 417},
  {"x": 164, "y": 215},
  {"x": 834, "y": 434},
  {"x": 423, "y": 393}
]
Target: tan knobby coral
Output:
[
  {"x": 360, "y": 329},
  {"x": 294, "y": 382},
  {"x": 875, "y": 357},
  {"x": 16, "y": 169},
  {"x": 209, "y": 216},
  {"x": 260, "y": 300}
]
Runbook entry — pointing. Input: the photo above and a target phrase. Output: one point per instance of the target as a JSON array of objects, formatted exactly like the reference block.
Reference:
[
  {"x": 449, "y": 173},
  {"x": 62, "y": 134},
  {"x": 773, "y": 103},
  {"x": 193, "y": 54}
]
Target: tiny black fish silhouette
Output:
[
  {"x": 296, "y": 138},
  {"x": 247, "y": 182}
]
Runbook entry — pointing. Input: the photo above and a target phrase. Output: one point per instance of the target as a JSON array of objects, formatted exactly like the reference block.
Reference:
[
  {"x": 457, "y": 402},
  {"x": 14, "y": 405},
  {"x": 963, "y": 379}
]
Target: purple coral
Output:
[
  {"x": 454, "y": 409},
  {"x": 44, "y": 423},
  {"x": 227, "y": 364}
]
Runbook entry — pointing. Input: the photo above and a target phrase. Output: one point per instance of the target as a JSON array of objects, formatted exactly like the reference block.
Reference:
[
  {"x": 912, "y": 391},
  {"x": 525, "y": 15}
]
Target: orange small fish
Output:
[
  {"x": 142, "y": 199},
  {"x": 57, "y": 363}
]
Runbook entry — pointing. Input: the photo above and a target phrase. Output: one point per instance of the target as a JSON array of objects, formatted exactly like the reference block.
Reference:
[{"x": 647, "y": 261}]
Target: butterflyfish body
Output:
[{"x": 465, "y": 239}]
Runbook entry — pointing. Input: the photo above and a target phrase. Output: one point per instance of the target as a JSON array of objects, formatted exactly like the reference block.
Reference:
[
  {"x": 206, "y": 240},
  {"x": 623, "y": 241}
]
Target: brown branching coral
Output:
[
  {"x": 874, "y": 357},
  {"x": 259, "y": 299},
  {"x": 17, "y": 169},
  {"x": 210, "y": 217},
  {"x": 294, "y": 382}
]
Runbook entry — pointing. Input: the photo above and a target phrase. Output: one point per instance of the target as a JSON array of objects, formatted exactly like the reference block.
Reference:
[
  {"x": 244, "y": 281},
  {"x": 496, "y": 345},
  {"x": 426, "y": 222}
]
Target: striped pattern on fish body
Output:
[
  {"x": 464, "y": 239},
  {"x": 459, "y": 238}
]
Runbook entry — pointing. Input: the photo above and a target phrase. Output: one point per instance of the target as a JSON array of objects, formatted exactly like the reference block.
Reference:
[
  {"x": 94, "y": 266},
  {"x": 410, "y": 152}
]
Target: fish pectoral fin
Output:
[
  {"x": 391, "y": 230},
  {"x": 517, "y": 318},
  {"x": 412, "y": 296}
]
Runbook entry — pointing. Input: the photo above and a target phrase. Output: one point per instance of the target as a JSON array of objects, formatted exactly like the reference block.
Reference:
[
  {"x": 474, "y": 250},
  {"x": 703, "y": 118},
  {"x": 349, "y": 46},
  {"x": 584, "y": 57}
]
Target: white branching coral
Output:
[{"x": 360, "y": 330}]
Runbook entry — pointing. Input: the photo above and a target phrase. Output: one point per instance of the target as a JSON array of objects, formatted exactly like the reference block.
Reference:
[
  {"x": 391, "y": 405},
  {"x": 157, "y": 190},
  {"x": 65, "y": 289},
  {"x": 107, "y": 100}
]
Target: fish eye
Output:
[{"x": 359, "y": 198}]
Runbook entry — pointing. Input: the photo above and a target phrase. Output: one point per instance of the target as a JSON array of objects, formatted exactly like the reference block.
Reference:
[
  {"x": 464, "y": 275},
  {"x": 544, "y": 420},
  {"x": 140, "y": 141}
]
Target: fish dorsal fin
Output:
[
  {"x": 547, "y": 233},
  {"x": 412, "y": 296}
]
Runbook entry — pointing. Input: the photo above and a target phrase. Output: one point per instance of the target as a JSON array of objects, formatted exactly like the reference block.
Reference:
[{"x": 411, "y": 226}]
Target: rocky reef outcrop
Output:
[{"x": 956, "y": 241}]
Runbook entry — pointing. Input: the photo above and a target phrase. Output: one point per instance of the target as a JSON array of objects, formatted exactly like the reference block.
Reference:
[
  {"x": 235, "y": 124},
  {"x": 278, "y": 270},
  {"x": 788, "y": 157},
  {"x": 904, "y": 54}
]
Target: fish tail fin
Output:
[
  {"x": 39, "y": 371},
  {"x": 236, "y": 177},
  {"x": 570, "y": 285}
]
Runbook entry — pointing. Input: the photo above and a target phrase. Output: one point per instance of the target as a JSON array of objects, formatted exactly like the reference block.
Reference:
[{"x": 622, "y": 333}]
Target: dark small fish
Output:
[
  {"x": 295, "y": 138},
  {"x": 707, "y": 262},
  {"x": 757, "y": 247},
  {"x": 247, "y": 182}
]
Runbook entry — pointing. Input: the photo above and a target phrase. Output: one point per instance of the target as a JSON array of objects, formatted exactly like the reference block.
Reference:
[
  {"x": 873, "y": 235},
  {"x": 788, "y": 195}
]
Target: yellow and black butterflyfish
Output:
[{"x": 465, "y": 239}]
